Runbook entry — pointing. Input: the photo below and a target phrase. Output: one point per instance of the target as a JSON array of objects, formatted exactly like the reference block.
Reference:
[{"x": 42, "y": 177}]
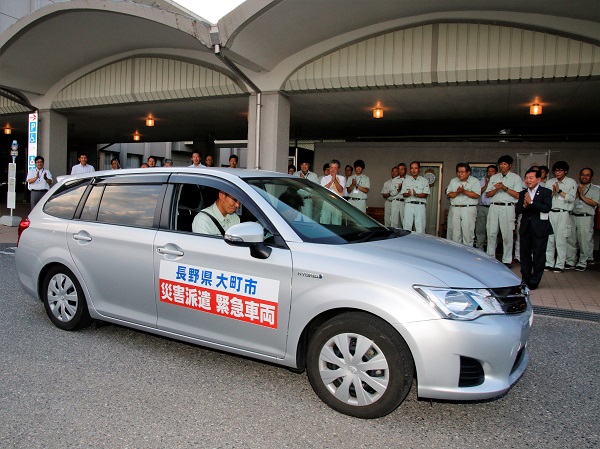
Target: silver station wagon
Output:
[{"x": 289, "y": 273}]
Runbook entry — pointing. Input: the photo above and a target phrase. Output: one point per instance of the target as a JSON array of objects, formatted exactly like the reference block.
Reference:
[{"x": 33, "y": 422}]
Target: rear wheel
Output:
[
  {"x": 359, "y": 365},
  {"x": 64, "y": 300}
]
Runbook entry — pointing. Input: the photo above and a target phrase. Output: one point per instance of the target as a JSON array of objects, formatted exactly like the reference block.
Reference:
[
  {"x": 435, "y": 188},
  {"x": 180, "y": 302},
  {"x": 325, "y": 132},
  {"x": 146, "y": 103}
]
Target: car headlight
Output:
[{"x": 461, "y": 304}]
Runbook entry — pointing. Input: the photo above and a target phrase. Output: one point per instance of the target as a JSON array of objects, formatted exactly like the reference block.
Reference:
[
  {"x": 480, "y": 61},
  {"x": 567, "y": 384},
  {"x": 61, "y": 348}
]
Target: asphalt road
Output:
[{"x": 110, "y": 387}]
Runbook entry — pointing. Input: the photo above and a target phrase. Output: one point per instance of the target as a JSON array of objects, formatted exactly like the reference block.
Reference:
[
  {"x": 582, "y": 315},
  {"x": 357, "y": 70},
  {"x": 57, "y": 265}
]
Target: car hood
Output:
[{"x": 454, "y": 264}]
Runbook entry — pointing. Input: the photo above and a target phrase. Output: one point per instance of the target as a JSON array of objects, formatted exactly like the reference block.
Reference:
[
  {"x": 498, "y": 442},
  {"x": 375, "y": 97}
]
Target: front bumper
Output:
[{"x": 496, "y": 345}]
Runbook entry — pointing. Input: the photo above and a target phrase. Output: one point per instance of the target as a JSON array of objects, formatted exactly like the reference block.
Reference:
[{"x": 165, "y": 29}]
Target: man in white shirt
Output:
[
  {"x": 358, "y": 186},
  {"x": 415, "y": 190},
  {"x": 503, "y": 189},
  {"x": 197, "y": 160},
  {"x": 337, "y": 184},
  {"x": 39, "y": 181},
  {"x": 83, "y": 166},
  {"x": 463, "y": 192},
  {"x": 564, "y": 191},
  {"x": 218, "y": 218}
]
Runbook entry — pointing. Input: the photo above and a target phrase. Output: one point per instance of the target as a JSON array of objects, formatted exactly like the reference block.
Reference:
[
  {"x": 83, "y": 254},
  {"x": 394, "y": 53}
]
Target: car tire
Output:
[
  {"x": 357, "y": 346},
  {"x": 64, "y": 300}
]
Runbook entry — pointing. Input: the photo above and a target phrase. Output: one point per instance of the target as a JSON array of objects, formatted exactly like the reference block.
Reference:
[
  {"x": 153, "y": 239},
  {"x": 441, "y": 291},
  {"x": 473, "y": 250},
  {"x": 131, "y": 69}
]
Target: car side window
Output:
[
  {"x": 63, "y": 203},
  {"x": 123, "y": 204},
  {"x": 196, "y": 203}
]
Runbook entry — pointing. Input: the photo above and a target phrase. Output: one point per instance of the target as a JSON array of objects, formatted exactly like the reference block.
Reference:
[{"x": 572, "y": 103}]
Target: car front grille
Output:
[
  {"x": 471, "y": 372},
  {"x": 512, "y": 299}
]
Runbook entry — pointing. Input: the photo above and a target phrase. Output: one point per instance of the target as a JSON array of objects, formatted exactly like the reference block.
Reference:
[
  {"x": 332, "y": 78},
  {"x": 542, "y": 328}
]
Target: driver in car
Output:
[{"x": 218, "y": 218}]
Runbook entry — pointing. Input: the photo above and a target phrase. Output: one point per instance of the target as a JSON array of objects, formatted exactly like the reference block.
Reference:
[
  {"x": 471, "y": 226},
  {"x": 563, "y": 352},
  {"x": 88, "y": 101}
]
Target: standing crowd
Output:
[{"x": 554, "y": 217}]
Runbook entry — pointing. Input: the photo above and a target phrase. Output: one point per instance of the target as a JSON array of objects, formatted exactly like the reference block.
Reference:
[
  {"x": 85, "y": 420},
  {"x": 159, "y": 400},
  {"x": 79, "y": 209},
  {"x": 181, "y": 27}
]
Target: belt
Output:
[
  {"x": 503, "y": 204},
  {"x": 307, "y": 197},
  {"x": 558, "y": 210},
  {"x": 483, "y": 205},
  {"x": 415, "y": 202},
  {"x": 581, "y": 215},
  {"x": 355, "y": 199},
  {"x": 39, "y": 190},
  {"x": 463, "y": 205},
  {"x": 398, "y": 199}
]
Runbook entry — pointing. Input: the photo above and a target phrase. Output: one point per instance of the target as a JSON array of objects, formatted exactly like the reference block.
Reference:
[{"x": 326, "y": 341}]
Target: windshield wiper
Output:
[{"x": 368, "y": 235}]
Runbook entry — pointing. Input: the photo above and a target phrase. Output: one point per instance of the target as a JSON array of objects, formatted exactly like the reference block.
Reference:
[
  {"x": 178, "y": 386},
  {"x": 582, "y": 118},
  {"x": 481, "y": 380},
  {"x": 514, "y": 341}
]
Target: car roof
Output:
[{"x": 223, "y": 172}]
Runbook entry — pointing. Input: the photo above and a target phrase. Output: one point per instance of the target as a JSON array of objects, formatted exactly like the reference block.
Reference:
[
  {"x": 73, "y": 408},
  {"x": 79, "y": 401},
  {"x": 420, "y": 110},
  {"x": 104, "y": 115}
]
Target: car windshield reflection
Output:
[{"x": 316, "y": 214}]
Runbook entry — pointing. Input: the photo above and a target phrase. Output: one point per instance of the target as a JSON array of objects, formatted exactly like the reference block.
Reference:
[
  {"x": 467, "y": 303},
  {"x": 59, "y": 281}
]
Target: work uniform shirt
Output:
[
  {"x": 363, "y": 181},
  {"x": 580, "y": 207},
  {"x": 80, "y": 169},
  {"x": 204, "y": 225},
  {"x": 311, "y": 176},
  {"x": 418, "y": 185},
  {"x": 510, "y": 180},
  {"x": 471, "y": 185},
  {"x": 569, "y": 187},
  {"x": 40, "y": 183}
]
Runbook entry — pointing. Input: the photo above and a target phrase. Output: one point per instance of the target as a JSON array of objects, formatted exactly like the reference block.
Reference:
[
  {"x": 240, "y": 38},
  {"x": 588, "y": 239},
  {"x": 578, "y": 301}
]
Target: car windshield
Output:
[{"x": 317, "y": 214}]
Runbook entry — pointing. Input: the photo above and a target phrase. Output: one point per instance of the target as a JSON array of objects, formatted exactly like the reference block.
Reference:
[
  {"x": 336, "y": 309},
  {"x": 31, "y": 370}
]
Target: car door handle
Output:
[
  {"x": 84, "y": 238},
  {"x": 170, "y": 252}
]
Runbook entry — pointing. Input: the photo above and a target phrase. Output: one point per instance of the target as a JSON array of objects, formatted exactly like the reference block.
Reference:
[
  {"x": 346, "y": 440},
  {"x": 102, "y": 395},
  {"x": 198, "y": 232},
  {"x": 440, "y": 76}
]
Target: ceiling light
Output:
[
  {"x": 378, "y": 111},
  {"x": 150, "y": 121},
  {"x": 136, "y": 136},
  {"x": 535, "y": 109},
  {"x": 7, "y": 129}
]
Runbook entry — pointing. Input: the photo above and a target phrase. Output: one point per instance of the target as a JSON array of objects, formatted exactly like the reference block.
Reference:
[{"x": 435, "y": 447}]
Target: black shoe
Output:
[
  {"x": 517, "y": 261},
  {"x": 532, "y": 286},
  {"x": 509, "y": 266},
  {"x": 579, "y": 268},
  {"x": 557, "y": 270},
  {"x": 546, "y": 268},
  {"x": 568, "y": 267}
]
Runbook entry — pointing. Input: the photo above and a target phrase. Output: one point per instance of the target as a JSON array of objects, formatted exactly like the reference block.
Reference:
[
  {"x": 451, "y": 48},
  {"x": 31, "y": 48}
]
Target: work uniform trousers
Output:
[
  {"x": 330, "y": 215},
  {"x": 518, "y": 239},
  {"x": 501, "y": 218},
  {"x": 463, "y": 224},
  {"x": 307, "y": 207},
  {"x": 481, "y": 225},
  {"x": 582, "y": 235},
  {"x": 397, "y": 213},
  {"x": 414, "y": 214},
  {"x": 359, "y": 204},
  {"x": 556, "y": 252},
  {"x": 387, "y": 209}
]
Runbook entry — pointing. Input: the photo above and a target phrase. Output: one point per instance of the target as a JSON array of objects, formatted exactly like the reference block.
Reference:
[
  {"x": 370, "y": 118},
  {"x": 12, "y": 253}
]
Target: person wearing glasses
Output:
[
  {"x": 564, "y": 191},
  {"x": 218, "y": 218}
]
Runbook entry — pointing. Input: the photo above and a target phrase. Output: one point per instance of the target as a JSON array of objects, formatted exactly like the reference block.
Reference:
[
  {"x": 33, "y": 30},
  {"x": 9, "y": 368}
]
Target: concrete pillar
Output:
[
  {"x": 274, "y": 132},
  {"x": 52, "y": 144}
]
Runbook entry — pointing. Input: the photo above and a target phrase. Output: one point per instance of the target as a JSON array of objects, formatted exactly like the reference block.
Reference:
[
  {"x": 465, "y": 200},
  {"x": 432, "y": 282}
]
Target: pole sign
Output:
[{"x": 33, "y": 140}]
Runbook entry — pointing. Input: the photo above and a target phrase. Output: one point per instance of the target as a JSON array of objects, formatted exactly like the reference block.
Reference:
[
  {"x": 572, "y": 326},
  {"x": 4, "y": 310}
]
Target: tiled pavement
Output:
[{"x": 569, "y": 290}]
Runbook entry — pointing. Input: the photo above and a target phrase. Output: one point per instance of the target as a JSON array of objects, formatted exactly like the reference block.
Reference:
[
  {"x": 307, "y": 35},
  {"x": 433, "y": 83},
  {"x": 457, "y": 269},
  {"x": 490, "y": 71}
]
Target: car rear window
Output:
[
  {"x": 123, "y": 204},
  {"x": 64, "y": 201}
]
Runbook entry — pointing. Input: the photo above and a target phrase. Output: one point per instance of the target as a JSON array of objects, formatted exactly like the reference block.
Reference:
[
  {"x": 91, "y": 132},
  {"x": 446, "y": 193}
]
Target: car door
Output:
[
  {"x": 112, "y": 246},
  {"x": 215, "y": 292}
]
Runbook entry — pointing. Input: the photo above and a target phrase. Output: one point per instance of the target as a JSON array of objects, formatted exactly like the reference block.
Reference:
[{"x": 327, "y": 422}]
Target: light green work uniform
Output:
[
  {"x": 464, "y": 210},
  {"x": 560, "y": 219},
  {"x": 397, "y": 209},
  {"x": 414, "y": 207},
  {"x": 501, "y": 216},
  {"x": 357, "y": 197},
  {"x": 582, "y": 235}
]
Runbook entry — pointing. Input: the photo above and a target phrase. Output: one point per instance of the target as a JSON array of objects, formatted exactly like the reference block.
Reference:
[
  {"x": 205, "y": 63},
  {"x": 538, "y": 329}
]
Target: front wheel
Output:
[
  {"x": 359, "y": 365},
  {"x": 64, "y": 300}
]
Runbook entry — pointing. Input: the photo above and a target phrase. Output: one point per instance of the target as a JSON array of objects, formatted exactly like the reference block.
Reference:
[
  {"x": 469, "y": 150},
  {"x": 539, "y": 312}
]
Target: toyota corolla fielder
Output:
[{"x": 277, "y": 268}]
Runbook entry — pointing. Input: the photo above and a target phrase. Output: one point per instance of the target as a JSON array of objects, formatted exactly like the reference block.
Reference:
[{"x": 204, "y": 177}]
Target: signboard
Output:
[
  {"x": 32, "y": 141},
  {"x": 12, "y": 178}
]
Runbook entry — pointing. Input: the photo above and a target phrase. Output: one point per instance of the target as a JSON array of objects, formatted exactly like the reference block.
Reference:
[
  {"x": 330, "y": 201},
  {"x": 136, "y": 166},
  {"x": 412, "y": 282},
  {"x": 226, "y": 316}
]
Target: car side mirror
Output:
[{"x": 248, "y": 234}]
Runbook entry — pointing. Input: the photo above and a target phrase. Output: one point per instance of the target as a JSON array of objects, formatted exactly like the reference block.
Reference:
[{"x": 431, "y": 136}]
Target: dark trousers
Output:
[
  {"x": 533, "y": 258},
  {"x": 36, "y": 195}
]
